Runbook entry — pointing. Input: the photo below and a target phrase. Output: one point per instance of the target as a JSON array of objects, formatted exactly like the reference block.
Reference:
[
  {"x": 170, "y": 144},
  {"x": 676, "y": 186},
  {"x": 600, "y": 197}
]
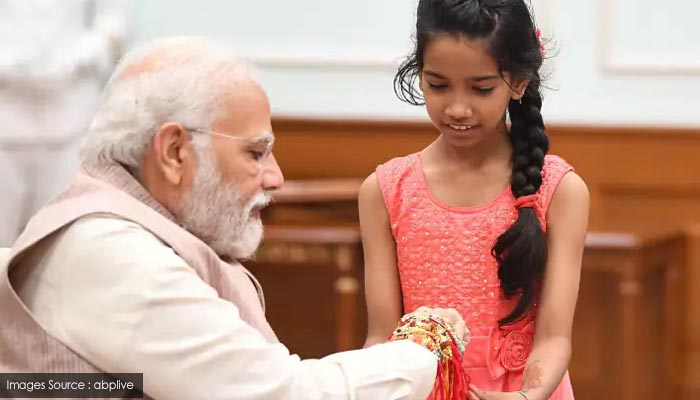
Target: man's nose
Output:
[{"x": 273, "y": 178}]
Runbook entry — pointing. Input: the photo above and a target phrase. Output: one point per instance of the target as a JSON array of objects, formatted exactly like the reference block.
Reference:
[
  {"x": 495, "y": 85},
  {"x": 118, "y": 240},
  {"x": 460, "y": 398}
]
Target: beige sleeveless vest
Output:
[{"x": 108, "y": 188}]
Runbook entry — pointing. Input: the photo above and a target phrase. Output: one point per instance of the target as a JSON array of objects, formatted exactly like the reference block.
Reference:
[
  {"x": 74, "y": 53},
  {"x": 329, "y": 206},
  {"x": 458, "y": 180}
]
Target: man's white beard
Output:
[{"x": 212, "y": 211}]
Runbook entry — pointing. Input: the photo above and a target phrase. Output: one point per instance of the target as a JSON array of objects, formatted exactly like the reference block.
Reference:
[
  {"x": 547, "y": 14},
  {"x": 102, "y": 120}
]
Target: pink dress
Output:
[{"x": 444, "y": 260}]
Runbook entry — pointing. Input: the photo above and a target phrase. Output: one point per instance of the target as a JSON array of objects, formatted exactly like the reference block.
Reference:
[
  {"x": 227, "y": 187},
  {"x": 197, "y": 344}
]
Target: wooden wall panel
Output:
[
  {"x": 684, "y": 358},
  {"x": 591, "y": 360},
  {"x": 641, "y": 179},
  {"x": 648, "y": 209}
]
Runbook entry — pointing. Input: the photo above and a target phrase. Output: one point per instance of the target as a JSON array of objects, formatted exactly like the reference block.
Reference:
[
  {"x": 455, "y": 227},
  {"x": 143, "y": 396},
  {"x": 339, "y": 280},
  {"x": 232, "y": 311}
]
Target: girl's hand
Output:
[{"x": 478, "y": 394}]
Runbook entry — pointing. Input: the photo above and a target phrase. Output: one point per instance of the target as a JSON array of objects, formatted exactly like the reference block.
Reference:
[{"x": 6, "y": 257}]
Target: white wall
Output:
[{"x": 618, "y": 61}]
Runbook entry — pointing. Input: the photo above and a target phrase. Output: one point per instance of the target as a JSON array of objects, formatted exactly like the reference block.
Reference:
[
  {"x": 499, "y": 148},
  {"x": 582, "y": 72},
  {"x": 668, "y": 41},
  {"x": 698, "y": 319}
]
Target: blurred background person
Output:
[{"x": 55, "y": 56}]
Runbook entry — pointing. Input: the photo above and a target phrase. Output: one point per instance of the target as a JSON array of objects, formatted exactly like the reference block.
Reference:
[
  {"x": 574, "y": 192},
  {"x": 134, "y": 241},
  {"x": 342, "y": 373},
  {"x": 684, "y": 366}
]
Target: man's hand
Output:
[{"x": 453, "y": 317}]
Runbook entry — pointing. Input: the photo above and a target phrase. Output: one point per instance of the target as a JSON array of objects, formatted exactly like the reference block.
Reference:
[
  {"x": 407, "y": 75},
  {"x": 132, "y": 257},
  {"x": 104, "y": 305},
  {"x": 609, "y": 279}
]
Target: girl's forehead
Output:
[{"x": 449, "y": 53}]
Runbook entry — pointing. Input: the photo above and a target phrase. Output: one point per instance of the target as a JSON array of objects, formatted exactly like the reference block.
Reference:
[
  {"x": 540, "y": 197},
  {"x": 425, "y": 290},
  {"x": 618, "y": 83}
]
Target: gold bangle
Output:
[{"x": 525, "y": 396}]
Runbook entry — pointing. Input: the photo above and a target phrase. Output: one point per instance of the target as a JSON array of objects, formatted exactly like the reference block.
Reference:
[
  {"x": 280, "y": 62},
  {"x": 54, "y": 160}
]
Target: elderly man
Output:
[{"x": 132, "y": 268}]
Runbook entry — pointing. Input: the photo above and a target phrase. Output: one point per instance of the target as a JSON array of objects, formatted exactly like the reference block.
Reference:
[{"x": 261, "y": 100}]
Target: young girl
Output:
[{"x": 482, "y": 220}]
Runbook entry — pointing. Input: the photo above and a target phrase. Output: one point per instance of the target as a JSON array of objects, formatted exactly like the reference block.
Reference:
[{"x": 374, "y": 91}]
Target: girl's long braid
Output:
[{"x": 521, "y": 251}]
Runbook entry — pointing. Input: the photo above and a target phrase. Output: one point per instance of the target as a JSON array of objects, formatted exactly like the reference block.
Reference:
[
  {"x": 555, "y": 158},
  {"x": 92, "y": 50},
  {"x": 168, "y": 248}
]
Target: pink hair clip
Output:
[{"x": 538, "y": 33}]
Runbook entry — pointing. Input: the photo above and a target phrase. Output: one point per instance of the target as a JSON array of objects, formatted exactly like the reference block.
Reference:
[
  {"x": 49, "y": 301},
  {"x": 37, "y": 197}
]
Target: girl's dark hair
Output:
[{"x": 507, "y": 29}]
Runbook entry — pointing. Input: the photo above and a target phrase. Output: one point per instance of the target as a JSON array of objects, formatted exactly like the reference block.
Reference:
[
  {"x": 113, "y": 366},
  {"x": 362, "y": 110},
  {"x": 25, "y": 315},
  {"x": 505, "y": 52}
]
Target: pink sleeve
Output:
[
  {"x": 388, "y": 187},
  {"x": 554, "y": 170},
  {"x": 392, "y": 177}
]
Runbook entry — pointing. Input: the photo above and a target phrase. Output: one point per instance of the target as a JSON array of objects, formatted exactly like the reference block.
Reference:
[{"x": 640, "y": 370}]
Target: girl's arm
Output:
[
  {"x": 567, "y": 223},
  {"x": 382, "y": 288}
]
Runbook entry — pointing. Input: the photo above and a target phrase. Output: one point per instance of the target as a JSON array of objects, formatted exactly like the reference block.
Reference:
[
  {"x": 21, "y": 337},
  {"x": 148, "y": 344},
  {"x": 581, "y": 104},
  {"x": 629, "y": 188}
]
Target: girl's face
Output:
[{"x": 465, "y": 93}]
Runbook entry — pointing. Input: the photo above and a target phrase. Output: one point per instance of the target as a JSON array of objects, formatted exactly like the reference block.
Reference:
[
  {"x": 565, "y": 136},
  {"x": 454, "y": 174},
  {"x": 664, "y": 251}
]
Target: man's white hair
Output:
[{"x": 178, "y": 79}]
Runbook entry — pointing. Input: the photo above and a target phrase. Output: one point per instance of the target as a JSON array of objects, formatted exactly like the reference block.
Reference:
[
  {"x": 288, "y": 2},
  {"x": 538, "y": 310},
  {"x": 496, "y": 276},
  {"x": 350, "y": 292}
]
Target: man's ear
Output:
[
  {"x": 171, "y": 153},
  {"x": 518, "y": 89}
]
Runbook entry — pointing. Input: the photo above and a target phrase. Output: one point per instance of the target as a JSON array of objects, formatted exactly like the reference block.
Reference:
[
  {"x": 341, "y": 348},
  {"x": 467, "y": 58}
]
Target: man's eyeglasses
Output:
[{"x": 260, "y": 147}]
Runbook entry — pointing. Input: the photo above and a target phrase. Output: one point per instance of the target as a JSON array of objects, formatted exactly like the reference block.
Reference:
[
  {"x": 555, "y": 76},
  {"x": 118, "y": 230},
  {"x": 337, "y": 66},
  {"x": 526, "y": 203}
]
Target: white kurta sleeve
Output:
[{"x": 127, "y": 303}]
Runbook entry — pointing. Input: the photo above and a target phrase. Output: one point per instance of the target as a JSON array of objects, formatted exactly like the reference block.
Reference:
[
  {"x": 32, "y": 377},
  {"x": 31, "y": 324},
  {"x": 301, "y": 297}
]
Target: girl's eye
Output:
[
  {"x": 437, "y": 86},
  {"x": 483, "y": 90}
]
